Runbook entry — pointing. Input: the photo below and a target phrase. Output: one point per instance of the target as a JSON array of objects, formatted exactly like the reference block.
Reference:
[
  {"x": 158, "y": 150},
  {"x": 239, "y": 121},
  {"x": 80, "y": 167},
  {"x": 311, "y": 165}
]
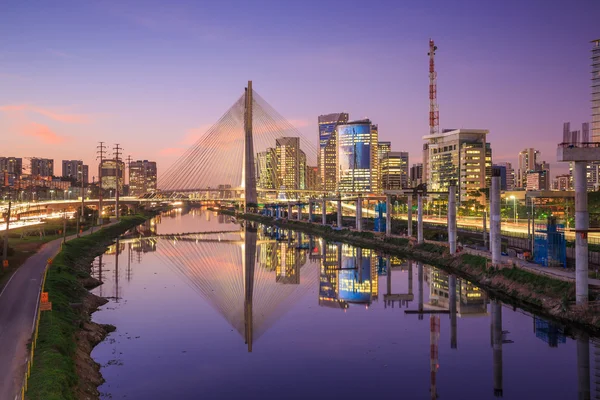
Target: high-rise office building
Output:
[
  {"x": 266, "y": 169},
  {"x": 458, "y": 156},
  {"x": 11, "y": 169},
  {"x": 538, "y": 180},
  {"x": 416, "y": 174},
  {"x": 357, "y": 157},
  {"x": 42, "y": 167},
  {"x": 302, "y": 170},
  {"x": 327, "y": 157},
  {"x": 394, "y": 170},
  {"x": 73, "y": 169},
  {"x": 510, "y": 174},
  {"x": 382, "y": 149},
  {"x": 596, "y": 90},
  {"x": 527, "y": 162},
  {"x": 576, "y": 138},
  {"x": 112, "y": 173},
  {"x": 288, "y": 153},
  {"x": 142, "y": 177}
]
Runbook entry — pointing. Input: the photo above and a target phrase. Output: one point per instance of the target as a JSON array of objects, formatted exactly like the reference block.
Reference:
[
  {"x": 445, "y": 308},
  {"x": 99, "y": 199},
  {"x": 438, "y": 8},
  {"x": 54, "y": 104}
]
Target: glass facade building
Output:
[
  {"x": 142, "y": 177},
  {"x": 357, "y": 157},
  {"x": 394, "y": 170},
  {"x": 327, "y": 157}
]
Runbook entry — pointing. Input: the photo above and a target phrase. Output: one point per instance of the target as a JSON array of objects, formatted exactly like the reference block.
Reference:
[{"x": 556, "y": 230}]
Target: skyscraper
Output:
[
  {"x": 327, "y": 157},
  {"x": 312, "y": 178},
  {"x": 142, "y": 177},
  {"x": 357, "y": 157},
  {"x": 72, "y": 169},
  {"x": 459, "y": 156},
  {"x": 42, "y": 167},
  {"x": 596, "y": 90},
  {"x": 394, "y": 170},
  {"x": 288, "y": 153},
  {"x": 382, "y": 149},
  {"x": 527, "y": 162},
  {"x": 266, "y": 169}
]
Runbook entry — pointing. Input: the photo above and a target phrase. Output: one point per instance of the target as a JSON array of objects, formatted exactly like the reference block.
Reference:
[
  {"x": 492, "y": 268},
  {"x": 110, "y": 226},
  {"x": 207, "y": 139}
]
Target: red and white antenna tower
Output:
[{"x": 434, "y": 115}]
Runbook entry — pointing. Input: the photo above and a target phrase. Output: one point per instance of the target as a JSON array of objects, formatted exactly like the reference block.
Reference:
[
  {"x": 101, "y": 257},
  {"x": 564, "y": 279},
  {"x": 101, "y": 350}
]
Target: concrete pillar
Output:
[
  {"x": 485, "y": 232},
  {"x": 359, "y": 214},
  {"x": 388, "y": 215},
  {"x": 420, "y": 279},
  {"x": 420, "y": 218},
  {"x": 289, "y": 211},
  {"x": 452, "y": 219},
  {"x": 452, "y": 303},
  {"x": 340, "y": 222},
  {"x": 310, "y": 210},
  {"x": 497, "y": 339},
  {"x": 495, "y": 236},
  {"x": 409, "y": 215},
  {"x": 583, "y": 367},
  {"x": 324, "y": 212},
  {"x": 582, "y": 222},
  {"x": 299, "y": 212}
]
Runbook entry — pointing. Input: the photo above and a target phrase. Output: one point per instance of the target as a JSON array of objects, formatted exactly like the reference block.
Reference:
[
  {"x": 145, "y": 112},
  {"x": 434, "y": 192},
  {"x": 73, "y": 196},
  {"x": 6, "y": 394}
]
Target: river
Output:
[{"x": 231, "y": 312}]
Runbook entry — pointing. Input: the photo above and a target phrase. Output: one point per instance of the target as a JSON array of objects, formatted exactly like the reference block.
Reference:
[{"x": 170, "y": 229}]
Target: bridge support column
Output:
[
  {"x": 495, "y": 221},
  {"x": 409, "y": 214},
  {"x": 310, "y": 210},
  {"x": 324, "y": 212},
  {"x": 289, "y": 211},
  {"x": 582, "y": 222},
  {"x": 359, "y": 214},
  {"x": 420, "y": 218},
  {"x": 340, "y": 222},
  {"x": 299, "y": 212},
  {"x": 452, "y": 219},
  {"x": 388, "y": 215}
]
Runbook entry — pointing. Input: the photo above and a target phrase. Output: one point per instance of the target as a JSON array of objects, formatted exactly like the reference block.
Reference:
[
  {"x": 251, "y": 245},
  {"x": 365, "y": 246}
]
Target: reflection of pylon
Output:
[{"x": 434, "y": 336}]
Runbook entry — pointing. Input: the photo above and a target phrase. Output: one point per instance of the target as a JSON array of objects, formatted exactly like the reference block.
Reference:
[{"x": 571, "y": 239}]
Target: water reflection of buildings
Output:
[
  {"x": 348, "y": 275},
  {"x": 548, "y": 331},
  {"x": 471, "y": 301}
]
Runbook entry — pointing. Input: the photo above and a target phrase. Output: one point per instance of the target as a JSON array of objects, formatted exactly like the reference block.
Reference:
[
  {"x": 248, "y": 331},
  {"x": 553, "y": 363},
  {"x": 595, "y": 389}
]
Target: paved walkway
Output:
[{"x": 18, "y": 305}]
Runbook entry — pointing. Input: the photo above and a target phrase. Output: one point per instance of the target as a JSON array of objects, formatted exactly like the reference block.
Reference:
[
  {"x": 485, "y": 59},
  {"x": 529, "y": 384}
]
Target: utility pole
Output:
[
  {"x": 101, "y": 150},
  {"x": 117, "y": 152}
]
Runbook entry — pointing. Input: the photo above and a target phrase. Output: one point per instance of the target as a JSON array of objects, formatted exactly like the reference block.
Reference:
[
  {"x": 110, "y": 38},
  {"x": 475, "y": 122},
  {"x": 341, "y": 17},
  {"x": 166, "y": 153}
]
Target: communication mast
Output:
[{"x": 434, "y": 115}]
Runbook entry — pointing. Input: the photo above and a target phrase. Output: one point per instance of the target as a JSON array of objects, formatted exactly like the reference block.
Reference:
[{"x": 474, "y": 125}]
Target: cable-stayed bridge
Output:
[{"x": 237, "y": 157}]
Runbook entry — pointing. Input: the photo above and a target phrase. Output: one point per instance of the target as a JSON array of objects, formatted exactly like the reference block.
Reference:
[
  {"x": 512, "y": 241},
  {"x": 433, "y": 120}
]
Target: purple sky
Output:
[{"x": 153, "y": 76}]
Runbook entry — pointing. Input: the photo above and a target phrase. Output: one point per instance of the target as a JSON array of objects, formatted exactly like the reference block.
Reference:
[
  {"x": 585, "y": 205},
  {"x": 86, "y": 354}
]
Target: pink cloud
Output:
[
  {"x": 54, "y": 115},
  {"x": 42, "y": 132},
  {"x": 170, "y": 151},
  {"x": 299, "y": 123},
  {"x": 192, "y": 135}
]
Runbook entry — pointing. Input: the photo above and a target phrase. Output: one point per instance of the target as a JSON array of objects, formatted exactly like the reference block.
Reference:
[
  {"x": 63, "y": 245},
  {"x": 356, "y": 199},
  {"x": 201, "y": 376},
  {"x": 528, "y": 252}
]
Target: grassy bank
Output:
[
  {"x": 543, "y": 295},
  {"x": 55, "y": 370}
]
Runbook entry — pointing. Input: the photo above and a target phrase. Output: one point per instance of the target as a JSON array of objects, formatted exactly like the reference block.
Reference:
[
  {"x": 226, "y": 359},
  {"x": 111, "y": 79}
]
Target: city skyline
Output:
[{"x": 63, "y": 92}]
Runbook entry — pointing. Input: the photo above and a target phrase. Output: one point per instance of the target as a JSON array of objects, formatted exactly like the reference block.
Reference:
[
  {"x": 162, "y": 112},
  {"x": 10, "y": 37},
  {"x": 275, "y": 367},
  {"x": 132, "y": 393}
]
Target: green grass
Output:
[
  {"x": 54, "y": 375},
  {"x": 539, "y": 283}
]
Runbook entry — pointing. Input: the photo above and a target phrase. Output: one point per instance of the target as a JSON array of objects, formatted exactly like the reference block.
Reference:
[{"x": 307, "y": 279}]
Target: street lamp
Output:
[{"x": 514, "y": 199}]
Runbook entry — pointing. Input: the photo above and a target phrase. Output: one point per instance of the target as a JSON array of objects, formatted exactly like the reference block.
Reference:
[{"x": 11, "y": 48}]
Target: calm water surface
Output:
[{"x": 244, "y": 313}]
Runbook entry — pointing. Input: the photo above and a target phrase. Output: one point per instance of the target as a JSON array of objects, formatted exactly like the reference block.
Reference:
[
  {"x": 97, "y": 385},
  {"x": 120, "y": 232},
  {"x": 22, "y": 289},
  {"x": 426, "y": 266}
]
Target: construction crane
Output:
[{"x": 434, "y": 116}]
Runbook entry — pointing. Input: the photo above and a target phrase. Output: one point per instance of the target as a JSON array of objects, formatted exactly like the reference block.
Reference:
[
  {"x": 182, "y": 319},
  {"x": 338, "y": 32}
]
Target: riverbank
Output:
[
  {"x": 537, "y": 293},
  {"x": 63, "y": 367}
]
